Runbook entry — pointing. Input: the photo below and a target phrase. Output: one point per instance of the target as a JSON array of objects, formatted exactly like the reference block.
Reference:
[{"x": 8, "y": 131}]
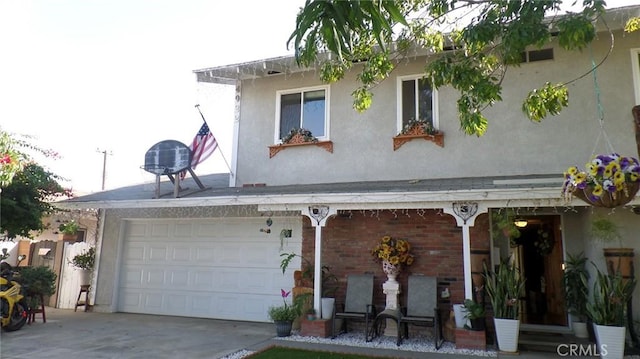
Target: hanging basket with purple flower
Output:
[{"x": 607, "y": 181}]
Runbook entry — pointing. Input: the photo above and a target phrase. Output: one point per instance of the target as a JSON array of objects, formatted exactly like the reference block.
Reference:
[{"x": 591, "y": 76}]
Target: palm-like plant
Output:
[
  {"x": 504, "y": 287},
  {"x": 611, "y": 293},
  {"x": 576, "y": 285}
]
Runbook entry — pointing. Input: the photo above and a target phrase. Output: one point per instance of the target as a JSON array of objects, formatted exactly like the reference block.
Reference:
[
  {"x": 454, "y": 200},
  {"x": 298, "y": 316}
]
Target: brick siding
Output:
[{"x": 436, "y": 243}]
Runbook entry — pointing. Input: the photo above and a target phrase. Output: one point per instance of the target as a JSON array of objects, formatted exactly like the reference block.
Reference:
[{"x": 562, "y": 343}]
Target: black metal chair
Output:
[
  {"x": 358, "y": 303},
  {"x": 422, "y": 308}
]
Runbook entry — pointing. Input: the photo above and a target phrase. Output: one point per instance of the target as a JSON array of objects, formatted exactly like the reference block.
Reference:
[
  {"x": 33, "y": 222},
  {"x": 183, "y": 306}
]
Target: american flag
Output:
[{"x": 202, "y": 146}]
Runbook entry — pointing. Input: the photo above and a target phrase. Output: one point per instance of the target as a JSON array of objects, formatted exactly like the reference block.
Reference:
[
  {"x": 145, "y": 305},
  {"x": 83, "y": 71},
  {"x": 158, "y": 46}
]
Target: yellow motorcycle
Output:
[{"x": 13, "y": 306}]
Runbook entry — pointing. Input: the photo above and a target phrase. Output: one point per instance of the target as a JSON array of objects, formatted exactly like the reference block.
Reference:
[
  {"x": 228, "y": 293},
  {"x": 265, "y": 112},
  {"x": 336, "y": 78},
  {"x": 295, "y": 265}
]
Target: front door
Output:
[{"x": 541, "y": 256}]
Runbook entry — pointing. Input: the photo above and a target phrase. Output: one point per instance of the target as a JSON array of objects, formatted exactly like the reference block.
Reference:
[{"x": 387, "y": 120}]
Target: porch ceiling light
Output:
[{"x": 520, "y": 223}]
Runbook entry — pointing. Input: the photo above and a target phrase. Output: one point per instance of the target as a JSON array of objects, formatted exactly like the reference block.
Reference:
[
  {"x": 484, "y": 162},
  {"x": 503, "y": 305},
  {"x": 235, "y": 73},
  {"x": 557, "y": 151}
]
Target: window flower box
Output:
[
  {"x": 418, "y": 129},
  {"x": 300, "y": 137}
]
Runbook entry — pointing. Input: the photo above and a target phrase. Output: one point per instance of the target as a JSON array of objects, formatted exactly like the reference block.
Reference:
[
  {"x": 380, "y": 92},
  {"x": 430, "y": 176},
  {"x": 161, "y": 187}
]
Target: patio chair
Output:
[
  {"x": 358, "y": 304},
  {"x": 422, "y": 308}
]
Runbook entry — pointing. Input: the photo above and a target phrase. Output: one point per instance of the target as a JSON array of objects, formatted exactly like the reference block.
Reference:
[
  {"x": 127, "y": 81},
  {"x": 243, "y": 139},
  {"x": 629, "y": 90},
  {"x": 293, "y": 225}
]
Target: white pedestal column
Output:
[{"x": 392, "y": 289}]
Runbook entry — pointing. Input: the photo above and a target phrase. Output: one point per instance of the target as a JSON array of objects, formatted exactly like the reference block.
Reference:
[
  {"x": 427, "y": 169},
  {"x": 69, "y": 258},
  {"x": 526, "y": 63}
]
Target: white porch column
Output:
[
  {"x": 466, "y": 257},
  {"x": 465, "y": 214},
  {"x": 318, "y": 215}
]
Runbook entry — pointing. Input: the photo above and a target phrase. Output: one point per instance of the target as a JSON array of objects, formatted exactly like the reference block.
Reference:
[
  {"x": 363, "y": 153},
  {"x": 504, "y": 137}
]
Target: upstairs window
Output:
[
  {"x": 537, "y": 55},
  {"x": 416, "y": 100},
  {"x": 306, "y": 108}
]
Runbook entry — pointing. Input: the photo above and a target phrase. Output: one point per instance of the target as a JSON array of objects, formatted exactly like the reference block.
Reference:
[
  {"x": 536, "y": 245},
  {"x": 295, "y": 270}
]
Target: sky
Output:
[{"x": 89, "y": 77}]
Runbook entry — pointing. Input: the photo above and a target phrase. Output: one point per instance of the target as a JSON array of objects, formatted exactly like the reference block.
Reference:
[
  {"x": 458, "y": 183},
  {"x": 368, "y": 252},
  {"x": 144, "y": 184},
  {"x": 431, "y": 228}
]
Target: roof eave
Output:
[{"x": 534, "y": 196}]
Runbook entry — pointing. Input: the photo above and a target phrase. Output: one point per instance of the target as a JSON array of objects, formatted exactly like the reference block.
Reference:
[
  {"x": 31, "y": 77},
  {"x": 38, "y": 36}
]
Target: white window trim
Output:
[
  {"x": 434, "y": 101},
  {"x": 276, "y": 133},
  {"x": 635, "y": 69}
]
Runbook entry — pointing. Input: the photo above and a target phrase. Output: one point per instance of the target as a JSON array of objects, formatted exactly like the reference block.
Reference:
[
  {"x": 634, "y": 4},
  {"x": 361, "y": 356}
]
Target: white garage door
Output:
[{"x": 210, "y": 268}]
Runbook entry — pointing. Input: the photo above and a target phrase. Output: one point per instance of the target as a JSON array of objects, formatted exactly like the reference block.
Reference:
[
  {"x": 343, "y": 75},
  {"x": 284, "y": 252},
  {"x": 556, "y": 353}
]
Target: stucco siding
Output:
[{"x": 513, "y": 145}]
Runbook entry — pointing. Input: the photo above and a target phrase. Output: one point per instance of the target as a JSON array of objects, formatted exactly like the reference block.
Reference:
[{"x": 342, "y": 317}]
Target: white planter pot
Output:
[
  {"x": 459, "y": 311},
  {"x": 610, "y": 341},
  {"x": 85, "y": 276},
  {"x": 327, "y": 305},
  {"x": 507, "y": 332},
  {"x": 580, "y": 330}
]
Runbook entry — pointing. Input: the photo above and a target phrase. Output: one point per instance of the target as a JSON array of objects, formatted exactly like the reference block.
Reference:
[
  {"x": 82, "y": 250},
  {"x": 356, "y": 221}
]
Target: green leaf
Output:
[{"x": 548, "y": 100}]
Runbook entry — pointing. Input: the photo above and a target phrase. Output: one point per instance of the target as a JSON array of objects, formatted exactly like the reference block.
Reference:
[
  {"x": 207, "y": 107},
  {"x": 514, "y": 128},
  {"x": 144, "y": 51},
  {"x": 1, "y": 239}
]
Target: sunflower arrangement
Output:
[
  {"x": 608, "y": 181},
  {"x": 393, "y": 250}
]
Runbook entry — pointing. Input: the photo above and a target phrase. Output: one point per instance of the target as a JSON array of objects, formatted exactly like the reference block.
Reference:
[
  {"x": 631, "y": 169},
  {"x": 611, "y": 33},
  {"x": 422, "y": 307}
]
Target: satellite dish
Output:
[{"x": 167, "y": 157}]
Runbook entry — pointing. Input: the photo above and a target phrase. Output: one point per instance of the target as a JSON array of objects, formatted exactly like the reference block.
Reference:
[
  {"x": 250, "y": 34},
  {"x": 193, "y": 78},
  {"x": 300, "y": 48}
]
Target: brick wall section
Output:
[
  {"x": 435, "y": 238},
  {"x": 471, "y": 339},
  {"x": 316, "y": 328}
]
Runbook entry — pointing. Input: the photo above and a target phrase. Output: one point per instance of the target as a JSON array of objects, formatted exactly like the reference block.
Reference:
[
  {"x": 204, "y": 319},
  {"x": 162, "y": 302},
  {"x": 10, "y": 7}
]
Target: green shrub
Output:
[
  {"x": 38, "y": 280},
  {"x": 85, "y": 260}
]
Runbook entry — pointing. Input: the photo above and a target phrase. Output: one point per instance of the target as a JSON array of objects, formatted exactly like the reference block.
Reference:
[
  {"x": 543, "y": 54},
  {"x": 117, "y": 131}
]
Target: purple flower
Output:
[
  {"x": 624, "y": 163},
  {"x": 284, "y": 293}
]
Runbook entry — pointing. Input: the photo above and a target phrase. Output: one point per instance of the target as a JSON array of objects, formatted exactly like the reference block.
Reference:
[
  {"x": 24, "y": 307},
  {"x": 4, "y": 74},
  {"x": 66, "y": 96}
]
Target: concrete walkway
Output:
[{"x": 69, "y": 335}]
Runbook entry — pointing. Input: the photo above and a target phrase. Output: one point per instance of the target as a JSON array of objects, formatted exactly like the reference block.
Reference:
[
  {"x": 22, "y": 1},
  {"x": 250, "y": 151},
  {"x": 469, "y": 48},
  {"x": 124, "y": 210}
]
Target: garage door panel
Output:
[
  {"x": 180, "y": 254},
  {"x": 152, "y": 301},
  {"x": 183, "y": 230},
  {"x": 160, "y": 230},
  {"x": 179, "y": 278},
  {"x": 227, "y": 254},
  {"x": 177, "y": 303},
  {"x": 204, "y": 255},
  {"x": 209, "y": 268},
  {"x": 157, "y": 253},
  {"x": 136, "y": 230},
  {"x": 132, "y": 276},
  {"x": 134, "y": 253},
  {"x": 205, "y": 303},
  {"x": 255, "y": 282},
  {"x": 227, "y": 280},
  {"x": 131, "y": 299},
  {"x": 254, "y": 307},
  {"x": 202, "y": 278},
  {"x": 154, "y": 277}
]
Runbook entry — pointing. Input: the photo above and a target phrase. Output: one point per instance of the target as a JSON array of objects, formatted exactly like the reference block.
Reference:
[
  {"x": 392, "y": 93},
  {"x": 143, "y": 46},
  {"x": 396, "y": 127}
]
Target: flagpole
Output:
[{"x": 221, "y": 154}]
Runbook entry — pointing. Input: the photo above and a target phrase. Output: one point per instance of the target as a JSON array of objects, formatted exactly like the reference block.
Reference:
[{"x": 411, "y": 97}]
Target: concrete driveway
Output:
[{"x": 87, "y": 335}]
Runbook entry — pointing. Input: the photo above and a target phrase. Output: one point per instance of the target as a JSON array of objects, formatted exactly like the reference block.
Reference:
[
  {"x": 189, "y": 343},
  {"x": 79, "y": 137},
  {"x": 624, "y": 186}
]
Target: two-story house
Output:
[{"x": 216, "y": 253}]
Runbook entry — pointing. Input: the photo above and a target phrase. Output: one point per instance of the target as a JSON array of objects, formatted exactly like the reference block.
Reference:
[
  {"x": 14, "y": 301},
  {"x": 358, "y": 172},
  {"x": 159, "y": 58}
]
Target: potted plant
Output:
[
  {"x": 393, "y": 253},
  {"x": 504, "y": 287},
  {"x": 576, "y": 292},
  {"x": 617, "y": 259},
  {"x": 38, "y": 282},
  {"x": 284, "y": 315},
  {"x": 311, "y": 314},
  {"x": 329, "y": 282},
  {"x": 85, "y": 262},
  {"x": 69, "y": 230},
  {"x": 475, "y": 314},
  {"x": 504, "y": 224},
  {"x": 609, "y": 181},
  {"x": 611, "y": 293}
]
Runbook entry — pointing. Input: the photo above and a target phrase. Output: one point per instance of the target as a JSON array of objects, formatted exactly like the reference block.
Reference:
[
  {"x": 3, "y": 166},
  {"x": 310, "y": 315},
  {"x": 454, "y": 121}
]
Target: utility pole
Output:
[{"x": 104, "y": 165}]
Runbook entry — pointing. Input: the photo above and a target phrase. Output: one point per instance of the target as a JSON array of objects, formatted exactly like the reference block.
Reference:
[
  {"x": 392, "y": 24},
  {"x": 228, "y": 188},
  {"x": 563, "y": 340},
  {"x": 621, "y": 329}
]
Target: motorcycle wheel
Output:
[{"x": 18, "y": 318}]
